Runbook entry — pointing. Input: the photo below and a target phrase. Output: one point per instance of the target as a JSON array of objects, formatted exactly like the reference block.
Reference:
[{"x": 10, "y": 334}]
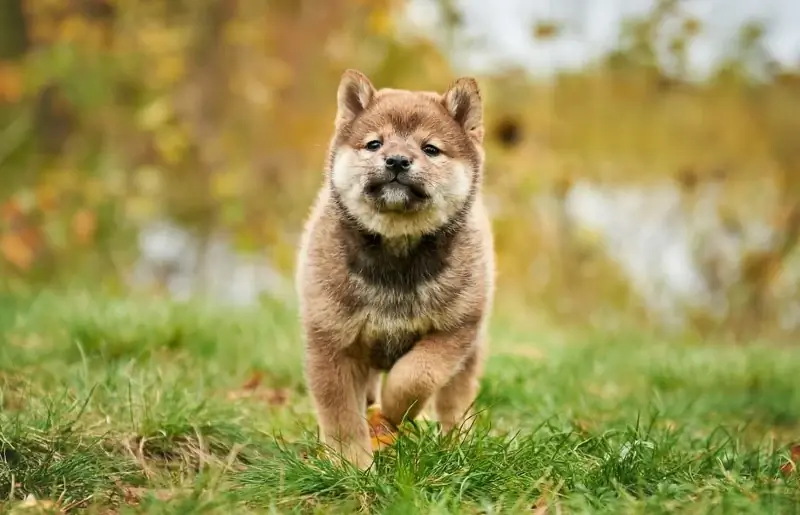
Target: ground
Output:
[{"x": 137, "y": 406}]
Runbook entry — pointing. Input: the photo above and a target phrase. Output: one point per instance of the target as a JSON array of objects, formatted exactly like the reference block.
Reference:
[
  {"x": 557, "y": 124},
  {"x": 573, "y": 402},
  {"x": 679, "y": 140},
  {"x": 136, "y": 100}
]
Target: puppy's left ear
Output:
[
  {"x": 463, "y": 101},
  {"x": 354, "y": 96}
]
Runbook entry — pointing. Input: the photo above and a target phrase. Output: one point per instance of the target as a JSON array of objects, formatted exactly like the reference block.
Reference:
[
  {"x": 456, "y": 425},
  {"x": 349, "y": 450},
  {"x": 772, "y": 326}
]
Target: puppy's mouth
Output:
[{"x": 396, "y": 193}]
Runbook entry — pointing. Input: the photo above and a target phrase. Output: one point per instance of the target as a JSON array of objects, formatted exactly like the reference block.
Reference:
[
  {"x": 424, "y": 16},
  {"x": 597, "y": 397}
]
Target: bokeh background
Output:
[{"x": 643, "y": 156}]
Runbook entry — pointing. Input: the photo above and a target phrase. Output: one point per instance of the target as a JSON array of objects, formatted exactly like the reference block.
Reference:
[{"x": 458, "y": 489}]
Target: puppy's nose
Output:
[{"x": 398, "y": 163}]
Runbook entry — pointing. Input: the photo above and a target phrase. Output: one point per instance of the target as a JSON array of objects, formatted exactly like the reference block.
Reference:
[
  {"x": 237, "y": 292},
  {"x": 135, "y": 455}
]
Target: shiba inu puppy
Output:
[{"x": 395, "y": 272}]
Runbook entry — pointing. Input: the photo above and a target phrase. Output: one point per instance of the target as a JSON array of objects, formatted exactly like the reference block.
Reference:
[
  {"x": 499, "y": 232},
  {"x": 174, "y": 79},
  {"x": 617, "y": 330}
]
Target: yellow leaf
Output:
[{"x": 382, "y": 433}]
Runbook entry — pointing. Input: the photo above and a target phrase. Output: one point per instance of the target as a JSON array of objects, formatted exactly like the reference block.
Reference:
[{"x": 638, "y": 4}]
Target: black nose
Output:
[{"x": 398, "y": 163}]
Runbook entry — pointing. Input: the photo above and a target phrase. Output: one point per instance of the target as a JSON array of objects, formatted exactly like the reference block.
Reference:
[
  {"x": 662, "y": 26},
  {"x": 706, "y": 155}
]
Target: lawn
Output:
[{"x": 141, "y": 406}]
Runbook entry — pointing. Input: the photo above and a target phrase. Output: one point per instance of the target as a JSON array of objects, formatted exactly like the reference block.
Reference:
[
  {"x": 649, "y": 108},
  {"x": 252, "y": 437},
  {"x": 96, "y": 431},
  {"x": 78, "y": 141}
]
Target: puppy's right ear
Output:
[{"x": 354, "y": 96}]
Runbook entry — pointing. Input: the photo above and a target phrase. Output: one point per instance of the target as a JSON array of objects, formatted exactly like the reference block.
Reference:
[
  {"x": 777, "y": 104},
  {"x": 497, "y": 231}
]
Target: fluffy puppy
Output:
[{"x": 395, "y": 272}]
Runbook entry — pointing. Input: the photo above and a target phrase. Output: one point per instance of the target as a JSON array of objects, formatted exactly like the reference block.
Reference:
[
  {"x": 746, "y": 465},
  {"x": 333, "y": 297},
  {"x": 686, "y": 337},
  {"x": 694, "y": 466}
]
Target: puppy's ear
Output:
[
  {"x": 463, "y": 101},
  {"x": 355, "y": 94}
]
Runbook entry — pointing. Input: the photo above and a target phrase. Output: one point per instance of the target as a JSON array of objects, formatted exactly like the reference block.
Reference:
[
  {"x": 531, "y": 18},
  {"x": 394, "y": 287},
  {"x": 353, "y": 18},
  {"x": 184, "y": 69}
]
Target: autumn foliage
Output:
[{"x": 217, "y": 113}]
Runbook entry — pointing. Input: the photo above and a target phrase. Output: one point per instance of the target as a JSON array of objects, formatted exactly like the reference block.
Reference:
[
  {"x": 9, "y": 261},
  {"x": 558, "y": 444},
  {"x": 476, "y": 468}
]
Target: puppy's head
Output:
[{"x": 405, "y": 163}]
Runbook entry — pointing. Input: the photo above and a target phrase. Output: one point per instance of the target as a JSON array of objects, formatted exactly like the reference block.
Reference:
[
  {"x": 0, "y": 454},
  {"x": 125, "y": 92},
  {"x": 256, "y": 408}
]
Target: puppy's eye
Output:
[
  {"x": 373, "y": 145},
  {"x": 431, "y": 150}
]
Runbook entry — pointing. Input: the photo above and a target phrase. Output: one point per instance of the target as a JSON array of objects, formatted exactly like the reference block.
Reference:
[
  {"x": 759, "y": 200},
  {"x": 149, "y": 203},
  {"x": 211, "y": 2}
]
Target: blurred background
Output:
[{"x": 643, "y": 156}]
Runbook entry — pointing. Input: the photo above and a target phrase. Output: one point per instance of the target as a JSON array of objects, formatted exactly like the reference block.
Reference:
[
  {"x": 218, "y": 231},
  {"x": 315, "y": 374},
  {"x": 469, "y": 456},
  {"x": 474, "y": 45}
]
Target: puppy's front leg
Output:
[
  {"x": 428, "y": 367},
  {"x": 338, "y": 385},
  {"x": 454, "y": 400}
]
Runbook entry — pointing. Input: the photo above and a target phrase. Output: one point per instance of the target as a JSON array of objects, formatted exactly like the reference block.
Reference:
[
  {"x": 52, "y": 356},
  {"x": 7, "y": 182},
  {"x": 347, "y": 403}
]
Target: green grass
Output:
[{"x": 136, "y": 406}]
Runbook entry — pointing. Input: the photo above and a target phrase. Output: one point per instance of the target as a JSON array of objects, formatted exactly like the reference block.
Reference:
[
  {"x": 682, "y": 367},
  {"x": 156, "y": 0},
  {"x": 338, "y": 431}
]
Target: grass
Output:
[{"x": 135, "y": 406}]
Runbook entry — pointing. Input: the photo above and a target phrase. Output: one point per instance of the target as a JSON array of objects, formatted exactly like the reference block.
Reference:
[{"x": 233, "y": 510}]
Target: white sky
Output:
[{"x": 505, "y": 29}]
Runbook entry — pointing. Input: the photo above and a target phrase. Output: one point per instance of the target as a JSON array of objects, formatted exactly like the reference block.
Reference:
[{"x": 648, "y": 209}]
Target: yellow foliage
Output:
[
  {"x": 148, "y": 180},
  {"x": 155, "y": 114},
  {"x": 94, "y": 191},
  {"x": 72, "y": 28},
  {"x": 172, "y": 143},
  {"x": 26, "y": 200},
  {"x": 228, "y": 185},
  {"x": 140, "y": 209},
  {"x": 169, "y": 70},
  {"x": 46, "y": 196},
  {"x": 380, "y": 22},
  {"x": 226, "y": 116},
  {"x": 243, "y": 33}
]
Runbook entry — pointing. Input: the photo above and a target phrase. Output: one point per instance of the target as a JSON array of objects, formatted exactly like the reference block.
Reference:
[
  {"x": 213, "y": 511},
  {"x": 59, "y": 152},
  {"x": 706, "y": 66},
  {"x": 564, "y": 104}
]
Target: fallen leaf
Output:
[
  {"x": 277, "y": 396},
  {"x": 251, "y": 389},
  {"x": 254, "y": 381},
  {"x": 382, "y": 432},
  {"x": 791, "y": 466}
]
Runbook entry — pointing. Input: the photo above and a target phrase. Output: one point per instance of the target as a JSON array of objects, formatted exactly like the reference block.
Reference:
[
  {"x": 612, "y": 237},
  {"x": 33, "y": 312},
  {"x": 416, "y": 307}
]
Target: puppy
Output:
[{"x": 395, "y": 273}]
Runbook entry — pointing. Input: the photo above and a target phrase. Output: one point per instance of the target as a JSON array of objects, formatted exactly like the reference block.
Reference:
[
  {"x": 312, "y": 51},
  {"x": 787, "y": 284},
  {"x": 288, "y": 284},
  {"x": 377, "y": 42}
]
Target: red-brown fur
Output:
[{"x": 397, "y": 277}]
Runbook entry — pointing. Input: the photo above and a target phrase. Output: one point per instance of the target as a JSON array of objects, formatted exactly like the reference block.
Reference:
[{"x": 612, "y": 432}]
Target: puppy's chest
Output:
[{"x": 389, "y": 325}]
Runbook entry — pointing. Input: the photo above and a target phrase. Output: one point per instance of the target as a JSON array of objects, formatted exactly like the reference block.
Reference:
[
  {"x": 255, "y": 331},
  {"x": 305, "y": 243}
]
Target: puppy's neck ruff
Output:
[{"x": 397, "y": 242}]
